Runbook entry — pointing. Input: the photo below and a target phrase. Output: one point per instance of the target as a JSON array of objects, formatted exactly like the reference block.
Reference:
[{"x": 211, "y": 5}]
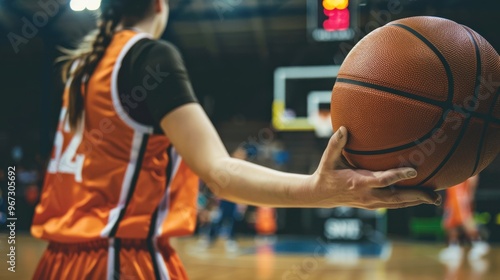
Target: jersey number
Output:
[{"x": 67, "y": 161}]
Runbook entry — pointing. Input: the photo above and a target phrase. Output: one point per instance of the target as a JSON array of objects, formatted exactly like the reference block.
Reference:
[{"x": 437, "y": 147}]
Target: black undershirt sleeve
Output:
[{"x": 153, "y": 81}]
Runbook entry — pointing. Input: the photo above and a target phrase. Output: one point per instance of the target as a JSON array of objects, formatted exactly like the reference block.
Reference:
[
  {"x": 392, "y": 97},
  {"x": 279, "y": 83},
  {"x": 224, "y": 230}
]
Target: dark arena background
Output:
[{"x": 263, "y": 71}]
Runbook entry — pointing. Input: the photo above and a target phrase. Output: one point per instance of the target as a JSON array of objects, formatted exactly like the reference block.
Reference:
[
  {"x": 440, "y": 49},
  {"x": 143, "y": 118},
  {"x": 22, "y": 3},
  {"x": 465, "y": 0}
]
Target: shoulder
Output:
[
  {"x": 164, "y": 46},
  {"x": 148, "y": 53},
  {"x": 155, "y": 49}
]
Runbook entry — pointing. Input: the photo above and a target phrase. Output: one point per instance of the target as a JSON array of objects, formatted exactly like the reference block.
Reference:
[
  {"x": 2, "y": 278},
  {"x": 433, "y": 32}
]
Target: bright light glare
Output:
[
  {"x": 77, "y": 5},
  {"x": 93, "y": 4},
  {"x": 80, "y": 5}
]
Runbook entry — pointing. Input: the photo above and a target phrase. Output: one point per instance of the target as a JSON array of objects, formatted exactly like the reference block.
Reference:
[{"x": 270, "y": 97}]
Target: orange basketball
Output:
[{"x": 420, "y": 92}]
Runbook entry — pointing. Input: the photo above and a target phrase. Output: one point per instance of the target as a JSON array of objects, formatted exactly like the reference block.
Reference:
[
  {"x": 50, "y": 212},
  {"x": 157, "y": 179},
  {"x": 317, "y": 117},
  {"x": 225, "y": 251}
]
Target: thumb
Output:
[{"x": 333, "y": 152}]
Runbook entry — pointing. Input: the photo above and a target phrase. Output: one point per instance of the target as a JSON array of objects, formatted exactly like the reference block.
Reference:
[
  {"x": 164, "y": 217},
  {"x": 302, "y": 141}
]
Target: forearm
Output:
[
  {"x": 196, "y": 140},
  {"x": 247, "y": 183}
]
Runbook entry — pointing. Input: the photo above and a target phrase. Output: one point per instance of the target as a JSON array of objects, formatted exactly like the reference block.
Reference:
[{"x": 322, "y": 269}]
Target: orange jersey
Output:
[
  {"x": 457, "y": 207},
  {"x": 113, "y": 177}
]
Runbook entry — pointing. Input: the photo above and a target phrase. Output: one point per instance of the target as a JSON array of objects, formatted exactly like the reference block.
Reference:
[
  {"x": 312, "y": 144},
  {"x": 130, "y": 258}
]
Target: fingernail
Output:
[
  {"x": 438, "y": 201},
  {"x": 340, "y": 134},
  {"x": 412, "y": 174}
]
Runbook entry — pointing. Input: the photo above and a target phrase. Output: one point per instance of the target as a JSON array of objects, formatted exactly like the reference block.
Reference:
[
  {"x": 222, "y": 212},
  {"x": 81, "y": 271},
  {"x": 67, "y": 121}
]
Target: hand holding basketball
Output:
[{"x": 361, "y": 188}]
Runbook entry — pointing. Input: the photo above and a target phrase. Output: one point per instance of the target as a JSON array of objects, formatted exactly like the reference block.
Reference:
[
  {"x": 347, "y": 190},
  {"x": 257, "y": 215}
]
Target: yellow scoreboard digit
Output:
[{"x": 335, "y": 4}]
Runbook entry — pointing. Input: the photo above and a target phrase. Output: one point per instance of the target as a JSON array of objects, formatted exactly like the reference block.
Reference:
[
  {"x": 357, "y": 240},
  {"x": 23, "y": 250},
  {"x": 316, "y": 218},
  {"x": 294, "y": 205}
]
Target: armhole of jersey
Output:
[{"x": 114, "y": 87}]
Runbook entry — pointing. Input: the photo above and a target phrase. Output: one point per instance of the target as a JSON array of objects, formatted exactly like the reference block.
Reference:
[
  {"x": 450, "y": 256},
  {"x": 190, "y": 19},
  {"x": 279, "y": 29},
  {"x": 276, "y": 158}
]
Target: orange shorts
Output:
[
  {"x": 457, "y": 208},
  {"x": 125, "y": 259}
]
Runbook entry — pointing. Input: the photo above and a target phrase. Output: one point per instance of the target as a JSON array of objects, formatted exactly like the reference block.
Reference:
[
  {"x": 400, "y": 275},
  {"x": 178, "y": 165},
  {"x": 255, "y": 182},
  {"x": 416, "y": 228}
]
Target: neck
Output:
[{"x": 145, "y": 26}]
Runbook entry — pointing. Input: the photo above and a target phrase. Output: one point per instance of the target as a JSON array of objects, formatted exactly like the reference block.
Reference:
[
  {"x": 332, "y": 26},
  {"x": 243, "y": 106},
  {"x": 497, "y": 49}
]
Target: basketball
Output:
[{"x": 420, "y": 92}]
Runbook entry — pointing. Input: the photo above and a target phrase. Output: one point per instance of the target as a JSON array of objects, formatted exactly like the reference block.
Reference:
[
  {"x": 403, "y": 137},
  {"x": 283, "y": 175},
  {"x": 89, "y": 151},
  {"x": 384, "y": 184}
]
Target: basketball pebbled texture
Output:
[{"x": 421, "y": 92}]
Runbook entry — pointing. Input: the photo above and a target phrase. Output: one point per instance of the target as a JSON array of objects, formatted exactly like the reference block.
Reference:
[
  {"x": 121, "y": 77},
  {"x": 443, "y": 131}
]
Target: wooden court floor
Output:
[{"x": 407, "y": 261}]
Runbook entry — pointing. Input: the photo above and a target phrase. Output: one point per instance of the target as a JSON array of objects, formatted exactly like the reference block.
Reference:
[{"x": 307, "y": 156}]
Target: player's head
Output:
[
  {"x": 152, "y": 14},
  {"x": 131, "y": 12}
]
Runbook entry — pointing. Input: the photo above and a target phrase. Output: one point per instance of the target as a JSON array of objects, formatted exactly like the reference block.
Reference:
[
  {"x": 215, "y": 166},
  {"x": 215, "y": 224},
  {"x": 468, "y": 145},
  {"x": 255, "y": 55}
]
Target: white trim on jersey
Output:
[
  {"x": 165, "y": 201},
  {"x": 122, "y": 113},
  {"x": 110, "y": 275},
  {"x": 163, "y": 270},
  {"x": 114, "y": 214},
  {"x": 163, "y": 213}
]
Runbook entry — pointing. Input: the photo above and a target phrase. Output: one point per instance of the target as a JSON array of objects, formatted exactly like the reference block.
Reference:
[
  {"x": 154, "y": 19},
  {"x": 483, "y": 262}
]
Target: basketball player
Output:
[
  {"x": 265, "y": 222},
  {"x": 458, "y": 214},
  {"x": 116, "y": 188}
]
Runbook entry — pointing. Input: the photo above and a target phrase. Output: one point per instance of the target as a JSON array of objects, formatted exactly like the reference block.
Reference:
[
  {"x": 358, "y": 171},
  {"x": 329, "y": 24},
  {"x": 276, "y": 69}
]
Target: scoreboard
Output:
[{"x": 332, "y": 20}]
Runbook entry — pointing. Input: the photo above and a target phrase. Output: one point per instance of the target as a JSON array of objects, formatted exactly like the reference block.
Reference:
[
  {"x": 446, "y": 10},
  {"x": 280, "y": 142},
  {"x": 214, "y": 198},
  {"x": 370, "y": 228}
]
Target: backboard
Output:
[{"x": 302, "y": 96}]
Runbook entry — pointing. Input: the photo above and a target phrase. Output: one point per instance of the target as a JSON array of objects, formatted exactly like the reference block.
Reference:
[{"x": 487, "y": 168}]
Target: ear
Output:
[{"x": 158, "y": 6}]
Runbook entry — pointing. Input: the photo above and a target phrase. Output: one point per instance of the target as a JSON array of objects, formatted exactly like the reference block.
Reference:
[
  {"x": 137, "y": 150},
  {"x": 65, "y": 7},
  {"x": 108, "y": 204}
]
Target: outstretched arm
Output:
[{"x": 197, "y": 141}]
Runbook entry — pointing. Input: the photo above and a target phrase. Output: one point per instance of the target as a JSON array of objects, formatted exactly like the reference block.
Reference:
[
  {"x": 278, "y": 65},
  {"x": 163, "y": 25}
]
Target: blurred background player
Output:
[
  {"x": 266, "y": 224},
  {"x": 219, "y": 216},
  {"x": 458, "y": 217},
  {"x": 218, "y": 219}
]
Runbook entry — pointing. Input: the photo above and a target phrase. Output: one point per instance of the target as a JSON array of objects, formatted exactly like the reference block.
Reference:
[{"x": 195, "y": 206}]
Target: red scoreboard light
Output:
[
  {"x": 337, "y": 20},
  {"x": 332, "y": 20},
  {"x": 338, "y": 15}
]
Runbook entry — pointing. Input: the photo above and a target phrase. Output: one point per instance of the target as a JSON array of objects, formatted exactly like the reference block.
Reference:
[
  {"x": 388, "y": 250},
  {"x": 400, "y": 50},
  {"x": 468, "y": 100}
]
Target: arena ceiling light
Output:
[
  {"x": 93, "y": 4},
  {"x": 80, "y": 5}
]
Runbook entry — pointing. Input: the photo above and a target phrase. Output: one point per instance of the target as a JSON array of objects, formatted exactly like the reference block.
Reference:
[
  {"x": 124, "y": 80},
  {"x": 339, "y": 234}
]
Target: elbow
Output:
[
  {"x": 218, "y": 189},
  {"x": 219, "y": 177}
]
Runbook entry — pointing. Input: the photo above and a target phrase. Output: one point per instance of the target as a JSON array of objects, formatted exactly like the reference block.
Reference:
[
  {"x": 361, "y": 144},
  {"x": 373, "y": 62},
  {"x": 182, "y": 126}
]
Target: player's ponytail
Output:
[{"x": 84, "y": 60}]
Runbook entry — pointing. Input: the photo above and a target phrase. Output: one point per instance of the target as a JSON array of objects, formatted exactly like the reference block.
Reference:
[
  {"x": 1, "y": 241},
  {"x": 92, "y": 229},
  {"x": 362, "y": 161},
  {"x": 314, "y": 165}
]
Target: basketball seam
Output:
[
  {"x": 465, "y": 126},
  {"x": 350, "y": 79},
  {"x": 449, "y": 101},
  {"x": 479, "y": 69},
  {"x": 404, "y": 95},
  {"x": 483, "y": 134},
  {"x": 446, "y": 107},
  {"x": 447, "y": 68},
  {"x": 409, "y": 96},
  {"x": 452, "y": 106},
  {"x": 449, "y": 155}
]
